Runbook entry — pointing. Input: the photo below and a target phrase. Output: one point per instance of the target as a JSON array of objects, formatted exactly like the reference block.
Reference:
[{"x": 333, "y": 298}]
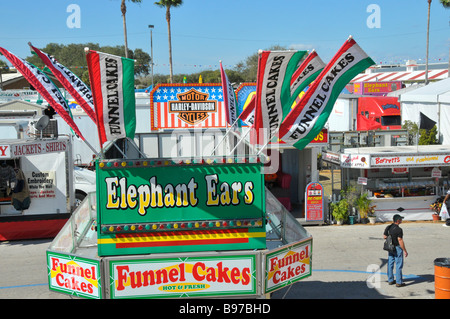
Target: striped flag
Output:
[
  {"x": 45, "y": 87},
  {"x": 303, "y": 76},
  {"x": 112, "y": 84},
  {"x": 310, "y": 114},
  {"x": 248, "y": 114},
  {"x": 76, "y": 88},
  {"x": 275, "y": 70},
  {"x": 229, "y": 97}
]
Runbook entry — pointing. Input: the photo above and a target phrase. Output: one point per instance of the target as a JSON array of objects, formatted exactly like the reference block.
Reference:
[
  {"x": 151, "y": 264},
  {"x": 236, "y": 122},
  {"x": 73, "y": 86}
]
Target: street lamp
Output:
[{"x": 151, "y": 26}]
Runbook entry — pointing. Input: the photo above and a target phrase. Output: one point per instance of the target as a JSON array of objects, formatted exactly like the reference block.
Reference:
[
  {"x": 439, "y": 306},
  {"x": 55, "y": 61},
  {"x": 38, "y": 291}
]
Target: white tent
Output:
[{"x": 432, "y": 100}]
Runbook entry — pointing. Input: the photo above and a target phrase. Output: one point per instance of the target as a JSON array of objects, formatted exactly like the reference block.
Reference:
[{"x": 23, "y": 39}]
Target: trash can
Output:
[
  {"x": 351, "y": 219},
  {"x": 442, "y": 278}
]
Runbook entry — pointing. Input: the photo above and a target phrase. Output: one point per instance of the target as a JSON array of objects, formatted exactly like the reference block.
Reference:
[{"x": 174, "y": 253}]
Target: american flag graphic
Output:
[{"x": 162, "y": 94}]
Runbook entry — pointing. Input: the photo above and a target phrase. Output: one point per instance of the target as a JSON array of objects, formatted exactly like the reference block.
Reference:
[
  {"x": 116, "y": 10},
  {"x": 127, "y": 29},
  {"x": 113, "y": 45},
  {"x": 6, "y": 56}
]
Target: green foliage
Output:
[
  {"x": 445, "y": 3},
  {"x": 363, "y": 204},
  {"x": 73, "y": 57},
  {"x": 411, "y": 127},
  {"x": 339, "y": 210},
  {"x": 428, "y": 137},
  {"x": 169, "y": 3}
]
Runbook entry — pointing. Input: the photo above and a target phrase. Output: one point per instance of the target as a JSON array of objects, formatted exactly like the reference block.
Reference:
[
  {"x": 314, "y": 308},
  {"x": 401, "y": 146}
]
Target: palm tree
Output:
[
  {"x": 123, "y": 9},
  {"x": 168, "y": 4},
  {"x": 428, "y": 40},
  {"x": 445, "y": 3}
]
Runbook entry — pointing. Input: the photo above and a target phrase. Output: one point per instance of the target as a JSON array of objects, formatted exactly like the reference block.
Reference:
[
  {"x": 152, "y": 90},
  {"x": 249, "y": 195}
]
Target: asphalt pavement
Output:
[{"x": 348, "y": 262}]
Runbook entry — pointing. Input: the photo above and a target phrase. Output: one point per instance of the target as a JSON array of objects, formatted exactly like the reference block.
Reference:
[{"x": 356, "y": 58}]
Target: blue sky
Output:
[{"x": 207, "y": 31}]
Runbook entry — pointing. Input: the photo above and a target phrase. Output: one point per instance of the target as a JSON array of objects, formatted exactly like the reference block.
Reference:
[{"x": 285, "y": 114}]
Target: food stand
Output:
[
  {"x": 402, "y": 180},
  {"x": 46, "y": 168},
  {"x": 179, "y": 228}
]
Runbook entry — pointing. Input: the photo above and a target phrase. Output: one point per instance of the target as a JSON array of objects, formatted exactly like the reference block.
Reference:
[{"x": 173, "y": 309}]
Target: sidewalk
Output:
[{"x": 344, "y": 258}]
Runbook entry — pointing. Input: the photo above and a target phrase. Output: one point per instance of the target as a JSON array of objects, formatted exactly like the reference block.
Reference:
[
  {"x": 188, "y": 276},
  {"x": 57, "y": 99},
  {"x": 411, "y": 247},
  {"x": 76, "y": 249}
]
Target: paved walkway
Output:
[
  {"x": 344, "y": 258},
  {"x": 349, "y": 262}
]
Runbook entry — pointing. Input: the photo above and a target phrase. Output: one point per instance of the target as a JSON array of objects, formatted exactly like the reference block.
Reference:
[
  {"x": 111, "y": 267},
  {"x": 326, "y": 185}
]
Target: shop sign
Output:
[
  {"x": 41, "y": 184},
  {"x": 26, "y": 95},
  {"x": 288, "y": 265},
  {"x": 376, "y": 88},
  {"x": 132, "y": 195},
  {"x": 410, "y": 160},
  {"x": 400, "y": 170},
  {"x": 331, "y": 157},
  {"x": 362, "y": 181},
  {"x": 223, "y": 275},
  {"x": 314, "y": 202},
  {"x": 175, "y": 106},
  {"x": 192, "y": 107},
  {"x": 436, "y": 172},
  {"x": 321, "y": 138},
  {"x": 355, "y": 161},
  {"x": 74, "y": 275},
  {"x": 14, "y": 150},
  {"x": 182, "y": 194}
]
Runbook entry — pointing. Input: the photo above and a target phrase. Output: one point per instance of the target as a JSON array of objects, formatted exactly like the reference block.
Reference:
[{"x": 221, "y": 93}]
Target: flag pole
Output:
[
  {"x": 102, "y": 153},
  {"x": 232, "y": 125},
  {"x": 226, "y": 134}
]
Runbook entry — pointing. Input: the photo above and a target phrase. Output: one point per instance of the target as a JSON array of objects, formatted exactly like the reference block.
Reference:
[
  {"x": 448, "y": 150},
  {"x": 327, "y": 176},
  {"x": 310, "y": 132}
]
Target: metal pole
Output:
[{"x": 151, "y": 48}]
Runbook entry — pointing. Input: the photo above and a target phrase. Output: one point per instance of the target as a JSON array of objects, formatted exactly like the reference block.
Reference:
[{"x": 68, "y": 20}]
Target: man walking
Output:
[{"x": 396, "y": 257}]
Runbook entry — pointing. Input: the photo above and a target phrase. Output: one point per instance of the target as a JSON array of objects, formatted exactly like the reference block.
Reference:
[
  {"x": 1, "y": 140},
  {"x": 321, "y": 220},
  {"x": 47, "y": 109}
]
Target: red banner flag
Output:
[{"x": 45, "y": 87}]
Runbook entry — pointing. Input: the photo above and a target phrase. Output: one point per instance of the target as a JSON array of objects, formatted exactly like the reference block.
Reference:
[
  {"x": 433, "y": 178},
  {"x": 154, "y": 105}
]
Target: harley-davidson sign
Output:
[{"x": 192, "y": 106}]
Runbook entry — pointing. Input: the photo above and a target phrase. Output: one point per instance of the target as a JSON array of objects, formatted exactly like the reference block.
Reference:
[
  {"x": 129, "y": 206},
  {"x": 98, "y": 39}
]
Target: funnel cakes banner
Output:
[
  {"x": 288, "y": 265},
  {"x": 184, "y": 277},
  {"x": 74, "y": 275}
]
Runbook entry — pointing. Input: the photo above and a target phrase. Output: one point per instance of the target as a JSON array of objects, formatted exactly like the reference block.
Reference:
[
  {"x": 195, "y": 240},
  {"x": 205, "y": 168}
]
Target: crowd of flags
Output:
[{"x": 280, "y": 110}]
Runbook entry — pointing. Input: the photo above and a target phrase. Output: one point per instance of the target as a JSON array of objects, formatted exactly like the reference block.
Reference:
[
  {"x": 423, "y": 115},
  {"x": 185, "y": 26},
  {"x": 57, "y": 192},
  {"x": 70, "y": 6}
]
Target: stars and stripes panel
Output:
[{"x": 163, "y": 116}]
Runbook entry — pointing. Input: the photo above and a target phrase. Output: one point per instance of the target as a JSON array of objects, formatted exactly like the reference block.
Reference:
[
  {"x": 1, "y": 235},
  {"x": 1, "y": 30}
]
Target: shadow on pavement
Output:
[{"x": 328, "y": 290}]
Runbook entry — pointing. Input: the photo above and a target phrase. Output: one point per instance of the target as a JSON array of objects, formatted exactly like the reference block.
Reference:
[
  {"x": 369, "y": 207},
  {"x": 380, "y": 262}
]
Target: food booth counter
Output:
[{"x": 402, "y": 180}]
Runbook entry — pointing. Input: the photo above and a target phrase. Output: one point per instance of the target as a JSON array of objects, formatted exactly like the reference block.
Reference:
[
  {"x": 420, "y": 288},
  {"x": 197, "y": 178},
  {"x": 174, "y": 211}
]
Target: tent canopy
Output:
[{"x": 430, "y": 93}]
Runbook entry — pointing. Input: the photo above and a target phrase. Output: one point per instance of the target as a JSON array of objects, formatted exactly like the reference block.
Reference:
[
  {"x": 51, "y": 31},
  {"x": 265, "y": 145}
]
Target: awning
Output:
[{"x": 439, "y": 74}]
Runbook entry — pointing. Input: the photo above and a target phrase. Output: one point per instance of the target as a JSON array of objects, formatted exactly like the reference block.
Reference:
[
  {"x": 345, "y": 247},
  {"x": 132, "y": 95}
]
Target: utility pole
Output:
[
  {"x": 428, "y": 41},
  {"x": 151, "y": 26}
]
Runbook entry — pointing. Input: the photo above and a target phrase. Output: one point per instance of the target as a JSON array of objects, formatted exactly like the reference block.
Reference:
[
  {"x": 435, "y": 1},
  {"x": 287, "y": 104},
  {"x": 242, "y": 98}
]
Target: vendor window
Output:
[{"x": 7, "y": 179}]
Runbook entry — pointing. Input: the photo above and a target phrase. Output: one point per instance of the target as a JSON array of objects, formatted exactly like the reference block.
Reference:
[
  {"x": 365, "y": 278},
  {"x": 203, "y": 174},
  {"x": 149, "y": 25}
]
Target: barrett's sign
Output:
[{"x": 192, "y": 106}]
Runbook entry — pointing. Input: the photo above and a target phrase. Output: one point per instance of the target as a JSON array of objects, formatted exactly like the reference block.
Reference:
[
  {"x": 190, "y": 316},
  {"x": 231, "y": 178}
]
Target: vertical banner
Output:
[
  {"x": 45, "y": 87},
  {"x": 229, "y": 98},
  {"x": 275, "y": 70},
  {"x": 303, "y": 76},
  {"x": 314, "y": 202},
  {"x": 76, "y": 88},
  {"x": 112, "y": 83},
  {"x": 245, "y": 97}
]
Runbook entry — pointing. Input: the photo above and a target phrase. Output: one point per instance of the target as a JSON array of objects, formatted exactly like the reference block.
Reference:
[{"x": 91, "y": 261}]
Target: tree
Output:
[
  {"x": 249, "y": 68},
  {"x": 445, "y": 3},
  {"x": 428, "y": 137},
  {"x": 168, "y": 4},
  {"x": 123, "y": 9},
  {"x": 73, "y": 57}
]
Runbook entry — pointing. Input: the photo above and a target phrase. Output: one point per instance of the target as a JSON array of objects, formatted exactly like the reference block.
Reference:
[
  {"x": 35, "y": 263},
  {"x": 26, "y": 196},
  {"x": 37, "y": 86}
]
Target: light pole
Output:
[{"x": 151, "y": 26}]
